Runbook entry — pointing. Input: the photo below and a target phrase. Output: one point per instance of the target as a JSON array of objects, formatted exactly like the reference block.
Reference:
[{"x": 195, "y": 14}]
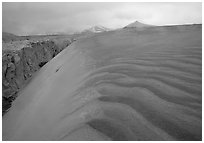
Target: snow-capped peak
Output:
[{"x": 97, "y": 29}]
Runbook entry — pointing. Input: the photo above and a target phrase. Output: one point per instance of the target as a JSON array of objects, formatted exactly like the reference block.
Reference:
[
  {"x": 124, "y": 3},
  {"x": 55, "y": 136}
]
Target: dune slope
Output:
[{"x": 118, "y": 85}]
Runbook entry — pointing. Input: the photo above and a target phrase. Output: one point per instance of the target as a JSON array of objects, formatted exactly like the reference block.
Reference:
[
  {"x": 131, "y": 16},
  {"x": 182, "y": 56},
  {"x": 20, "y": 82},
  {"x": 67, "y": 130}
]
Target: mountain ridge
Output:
[{"x": 138, "y": 24}]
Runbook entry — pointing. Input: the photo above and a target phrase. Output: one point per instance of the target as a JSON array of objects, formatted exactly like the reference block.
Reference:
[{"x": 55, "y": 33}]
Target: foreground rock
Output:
[
  {"x": 128, "y": 84},
  {"x": 20, "y": 60}
]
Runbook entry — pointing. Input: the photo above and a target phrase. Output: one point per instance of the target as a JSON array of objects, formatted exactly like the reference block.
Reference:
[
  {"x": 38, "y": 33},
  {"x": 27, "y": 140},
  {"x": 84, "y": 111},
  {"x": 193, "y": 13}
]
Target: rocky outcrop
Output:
[{"x": 18, "y": 66}]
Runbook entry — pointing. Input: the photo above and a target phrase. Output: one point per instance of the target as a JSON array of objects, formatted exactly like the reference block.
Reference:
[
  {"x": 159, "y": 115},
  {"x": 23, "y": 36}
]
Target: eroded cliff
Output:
[{"x": 20, "y": 62}]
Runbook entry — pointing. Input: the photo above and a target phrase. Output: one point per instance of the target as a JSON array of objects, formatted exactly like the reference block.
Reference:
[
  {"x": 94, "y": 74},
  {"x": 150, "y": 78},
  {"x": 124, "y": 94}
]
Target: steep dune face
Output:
[{"x": 119, "y": 85}]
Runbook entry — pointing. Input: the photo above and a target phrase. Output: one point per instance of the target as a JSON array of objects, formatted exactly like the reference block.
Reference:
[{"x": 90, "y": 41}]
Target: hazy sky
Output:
[{"x": 47, "y": 18}]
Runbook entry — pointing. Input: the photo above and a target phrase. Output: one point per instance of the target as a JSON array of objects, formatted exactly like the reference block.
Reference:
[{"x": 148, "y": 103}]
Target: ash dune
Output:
[{"x": 128, "y": 84}]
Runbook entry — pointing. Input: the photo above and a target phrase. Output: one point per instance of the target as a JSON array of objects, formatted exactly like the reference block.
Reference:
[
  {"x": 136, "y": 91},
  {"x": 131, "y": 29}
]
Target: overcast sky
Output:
[{"x": 47, "y": 18}]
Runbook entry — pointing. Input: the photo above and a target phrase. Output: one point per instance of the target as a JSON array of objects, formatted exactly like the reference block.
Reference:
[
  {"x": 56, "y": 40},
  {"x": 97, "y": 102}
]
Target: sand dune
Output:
[{"x": 118, "y": 85}]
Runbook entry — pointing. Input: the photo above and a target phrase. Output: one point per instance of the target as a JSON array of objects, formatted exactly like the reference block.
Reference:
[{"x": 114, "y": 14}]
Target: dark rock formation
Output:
[{"x": 18, "y": 66}]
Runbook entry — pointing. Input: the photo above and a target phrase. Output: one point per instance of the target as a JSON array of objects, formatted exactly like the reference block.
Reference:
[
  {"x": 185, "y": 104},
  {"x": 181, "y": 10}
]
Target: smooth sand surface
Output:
[{"x": 120, "y": 85}]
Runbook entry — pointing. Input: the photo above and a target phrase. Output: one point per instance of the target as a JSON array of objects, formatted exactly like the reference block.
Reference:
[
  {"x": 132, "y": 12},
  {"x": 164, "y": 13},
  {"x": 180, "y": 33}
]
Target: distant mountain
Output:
[
  {"x": 90, "y": 31},
  {"x": 137, "y": 24},
  {"x": 97, "y": 29},
  {"x": 9, "y": 37}
]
